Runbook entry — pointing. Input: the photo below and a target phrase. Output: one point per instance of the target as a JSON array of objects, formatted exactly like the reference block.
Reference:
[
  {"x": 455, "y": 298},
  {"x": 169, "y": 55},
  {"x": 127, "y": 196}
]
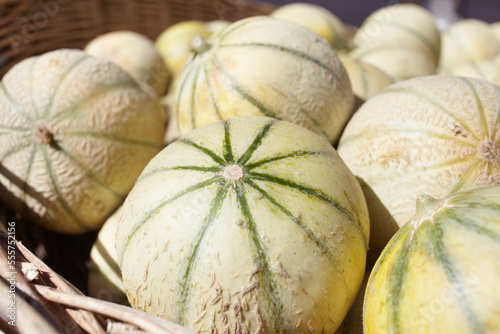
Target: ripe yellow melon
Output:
[{"x": 242, "y": 226}]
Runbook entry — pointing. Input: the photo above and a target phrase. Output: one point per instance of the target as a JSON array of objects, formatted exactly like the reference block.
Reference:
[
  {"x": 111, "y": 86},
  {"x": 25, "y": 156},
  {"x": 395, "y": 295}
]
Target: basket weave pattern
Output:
[{"x": 33, "y": 27}]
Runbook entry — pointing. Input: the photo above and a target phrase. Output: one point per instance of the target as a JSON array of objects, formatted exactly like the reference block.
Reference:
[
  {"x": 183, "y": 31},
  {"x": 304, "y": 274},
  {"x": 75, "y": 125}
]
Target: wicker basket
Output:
[
  {"x": 46, "y": 302},
  {"x": 33, "y": 27}
]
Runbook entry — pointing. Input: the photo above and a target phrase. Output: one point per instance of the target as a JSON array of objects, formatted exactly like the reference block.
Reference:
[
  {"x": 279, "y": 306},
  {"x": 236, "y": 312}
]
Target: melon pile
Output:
[{"x": 278, "y": 174}]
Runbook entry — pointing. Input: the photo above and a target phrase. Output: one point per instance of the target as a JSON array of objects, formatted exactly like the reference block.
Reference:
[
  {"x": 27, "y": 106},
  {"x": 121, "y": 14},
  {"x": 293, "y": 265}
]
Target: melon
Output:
[
  {"x": 242, "y": 226},
  {"x": 261, "y": 66},
  {"x": 136, "y": 54},
  {"x": 366, "y": 80},
  {"x": 403, "y": 25},
  {"x": 466, "y": 41},
  {"x": 174, "y": 42},
  {"x": 75, "y": 133},
  {"x": 440, "y": 272},
  {"x": 105, "y": 279},
  {"x": 318, "y": 19},
  {"x": 436, "y": 134}
]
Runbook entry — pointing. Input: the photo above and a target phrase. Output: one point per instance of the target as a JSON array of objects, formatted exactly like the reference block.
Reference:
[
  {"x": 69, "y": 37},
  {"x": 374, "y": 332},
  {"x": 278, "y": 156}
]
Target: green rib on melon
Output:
[
  {"x": 246, "y": 225},
  {"x": 262, "y": 66},
  {"x": 440, "y": 272}
]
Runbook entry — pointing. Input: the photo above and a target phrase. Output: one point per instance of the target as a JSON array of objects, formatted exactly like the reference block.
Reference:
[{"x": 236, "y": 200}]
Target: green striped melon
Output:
[
  {"x": 318, "y": 19},
  {"x": 242, "y": 226},
  {"x": 75, "y": 133},
  {"x": 467, "y": 41},
  {"x": 440, "y": 272},
  {"x": 262, "y": 66},
  {"x": 401, "y": 25},
  {"x": 105, "y": 279},
  {"x": 366, "y": 80}
]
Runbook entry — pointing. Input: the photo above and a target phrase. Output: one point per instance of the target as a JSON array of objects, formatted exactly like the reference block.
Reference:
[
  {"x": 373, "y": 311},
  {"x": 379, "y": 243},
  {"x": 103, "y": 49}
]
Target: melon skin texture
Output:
[
  {"x": 136, "y": 54},
  {"x": 262, "y": 66},
  {"x": 436, "y": 135},
  {"x": 318, "y": 19},
  {"x": 76, "y": 132},
  {"x": 467, "y": 41},
  {"x": 247, "y": 225},
  {"x": 366, "y": 80},
  {"x": 440, "y": 272},
  {"x": 105, "y": 279},
  {"x": 402, "y": 25}
]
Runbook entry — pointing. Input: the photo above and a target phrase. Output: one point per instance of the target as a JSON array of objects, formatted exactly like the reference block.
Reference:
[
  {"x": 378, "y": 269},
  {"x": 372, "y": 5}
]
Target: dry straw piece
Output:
[{"x": 45, "y": 302}]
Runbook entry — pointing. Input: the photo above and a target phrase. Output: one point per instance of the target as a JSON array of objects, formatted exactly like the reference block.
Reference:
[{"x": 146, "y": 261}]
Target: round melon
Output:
[
  {"x": 75, "y": 133},
  {"x": 366, "y": 80},
  {"x": 440, "y": 272},
  {"x": 136, "y": 54},
  {"x": 174, "y": 42},
  {"x": 466, "y": 41},
  {"x": 401, "y": 25},
  {"x": 262, "y": 66},
  {"x": 318, "y": 19},
  {"x": 105, "y": 279},
  {"x": 437, "y": 134},
  {"x": 242, "y": 226}
]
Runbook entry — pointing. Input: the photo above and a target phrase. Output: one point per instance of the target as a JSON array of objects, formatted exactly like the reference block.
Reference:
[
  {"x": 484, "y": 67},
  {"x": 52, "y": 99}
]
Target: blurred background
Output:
[{"x": 355, "y": 11}]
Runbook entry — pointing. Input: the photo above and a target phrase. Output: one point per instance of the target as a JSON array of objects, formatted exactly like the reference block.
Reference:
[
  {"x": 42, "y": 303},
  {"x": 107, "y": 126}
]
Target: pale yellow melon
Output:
[
  {"x": 437, "y": 135},
  {"x": 242, "y": 226},
  {"x": 366, "y": 80},
  {"x": 268, "y": 67},
  {"x": 403, "y": 25},
  {"x": 75, "y": 133},
  {"x": 174, "y": 43},
  {"x": 317, "y": 18},
  {"x": 105, "y": 279},
  {"x": 136, "y": 54},
  {"x": 467, "y": 41}
]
